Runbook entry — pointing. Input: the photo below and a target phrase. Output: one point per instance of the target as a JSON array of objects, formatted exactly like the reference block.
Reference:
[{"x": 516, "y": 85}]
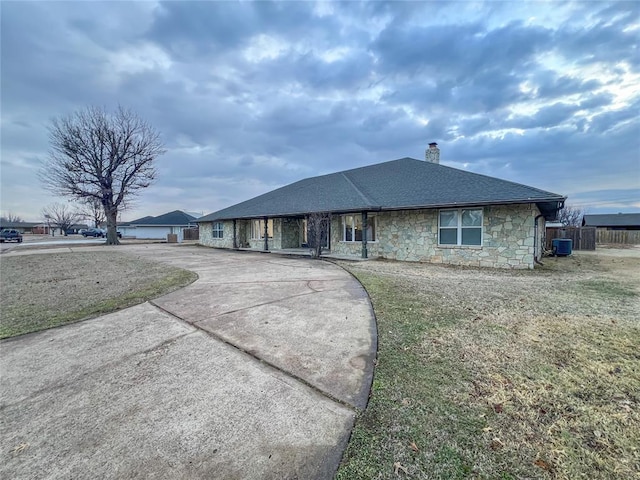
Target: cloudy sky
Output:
[{"x": 251, "y": 96}]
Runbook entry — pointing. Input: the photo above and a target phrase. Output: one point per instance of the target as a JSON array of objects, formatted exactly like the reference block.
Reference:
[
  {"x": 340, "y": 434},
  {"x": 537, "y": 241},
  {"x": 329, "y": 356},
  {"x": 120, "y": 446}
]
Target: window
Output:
[
  {"x": 352, "y": 228},
  {"x": 460, "y": 227},
  {"x": 257, "y": 229},
  {"x": 218, "y": 229}
]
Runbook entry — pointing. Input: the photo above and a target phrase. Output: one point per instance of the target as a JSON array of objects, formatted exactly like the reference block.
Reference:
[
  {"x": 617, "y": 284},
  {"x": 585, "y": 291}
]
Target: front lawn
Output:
[
  {"x": 44, "y": 290},
  {"x": 502, "y": 374}
]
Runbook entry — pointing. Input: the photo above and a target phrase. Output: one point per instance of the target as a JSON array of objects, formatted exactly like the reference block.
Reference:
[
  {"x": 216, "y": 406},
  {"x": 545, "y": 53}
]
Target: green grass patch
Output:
[{"x": 47, "y": 290}]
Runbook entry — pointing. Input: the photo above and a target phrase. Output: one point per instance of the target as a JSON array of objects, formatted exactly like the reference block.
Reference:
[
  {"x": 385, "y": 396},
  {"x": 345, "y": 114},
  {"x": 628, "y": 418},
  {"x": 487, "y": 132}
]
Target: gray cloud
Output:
[
  {"x": 611, "y": 34},
  {"x": 249, "y": 96}
]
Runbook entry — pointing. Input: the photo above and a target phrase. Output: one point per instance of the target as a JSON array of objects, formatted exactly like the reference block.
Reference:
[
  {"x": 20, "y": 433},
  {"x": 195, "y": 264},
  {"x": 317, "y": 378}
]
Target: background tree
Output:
[
  {"x": 61, "y": 216},
  {"x": 318, "y": 232},
  {"x": 11, "y": 218},
  {"x": 108, "y": 157},
  {"x": 92, "y": 210},
  {"x": 571, "y": 216}
]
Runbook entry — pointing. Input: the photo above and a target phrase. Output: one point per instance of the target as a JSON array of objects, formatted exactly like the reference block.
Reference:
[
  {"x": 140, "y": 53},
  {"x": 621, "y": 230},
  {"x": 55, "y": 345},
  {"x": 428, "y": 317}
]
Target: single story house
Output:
[
  {"x": 77, "y": 228},
  {"x": 613, "y": 221},
  {"x": 158, "y": 227},
  {"x": 404, "y": 209},
  {"x": 22, "y": 227}
]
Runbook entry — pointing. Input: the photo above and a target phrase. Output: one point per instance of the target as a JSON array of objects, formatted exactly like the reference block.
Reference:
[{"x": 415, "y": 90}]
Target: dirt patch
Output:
[
  {"x": 44, "y": 290},
  {"x": 503, "y": 374}
]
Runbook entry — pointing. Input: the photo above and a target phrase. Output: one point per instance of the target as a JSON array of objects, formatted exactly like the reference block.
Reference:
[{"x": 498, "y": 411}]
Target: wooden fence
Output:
[
  {"x": 191, "y": 234},
  {"x": 628, "y": 237},
  {"x": 583, "y": 238}
]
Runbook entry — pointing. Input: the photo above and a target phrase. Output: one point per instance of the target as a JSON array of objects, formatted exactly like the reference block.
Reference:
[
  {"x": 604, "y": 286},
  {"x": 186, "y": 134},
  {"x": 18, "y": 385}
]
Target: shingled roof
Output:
[
  {"x": 401, "y": 184},
  {"x": 612, "y": 220},
  {"x": 175, "y": 218}
]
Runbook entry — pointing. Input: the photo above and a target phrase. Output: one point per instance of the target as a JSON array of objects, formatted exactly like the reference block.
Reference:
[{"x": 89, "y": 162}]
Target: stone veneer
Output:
[
  {"x": 206, "y": 235},
  {"x": 412, "y": 235},
  {"x": 289, "y": 232},
  {"x": 286, "y": 234}
]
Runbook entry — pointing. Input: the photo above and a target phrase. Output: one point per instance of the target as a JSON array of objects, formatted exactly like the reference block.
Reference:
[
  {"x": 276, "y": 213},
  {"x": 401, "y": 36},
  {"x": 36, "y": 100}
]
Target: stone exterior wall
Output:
[
  {"x": 412, "y": 235},
  {"x": 509, "y": 236},
  {"x": 206, "y": 235},
  {"x": 351, "y": 248},
  {"x": 290, "y": 232}
]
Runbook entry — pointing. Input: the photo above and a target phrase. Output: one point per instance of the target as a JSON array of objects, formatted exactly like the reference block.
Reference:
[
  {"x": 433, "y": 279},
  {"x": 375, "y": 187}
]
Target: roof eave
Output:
[{"x": 558, "y": 200}]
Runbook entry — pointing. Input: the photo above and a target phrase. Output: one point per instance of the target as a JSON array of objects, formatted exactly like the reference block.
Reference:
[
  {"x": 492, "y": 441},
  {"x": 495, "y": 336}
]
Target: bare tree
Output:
[
  {"x": 107, "y": 157},
  {"x": 11, "y": 218},
  {"x": 92, "y": 209},
  {"x": 317, "y": 232},
  {"x": 570, "y": 216},
  {"x": 61, "y": 216}
]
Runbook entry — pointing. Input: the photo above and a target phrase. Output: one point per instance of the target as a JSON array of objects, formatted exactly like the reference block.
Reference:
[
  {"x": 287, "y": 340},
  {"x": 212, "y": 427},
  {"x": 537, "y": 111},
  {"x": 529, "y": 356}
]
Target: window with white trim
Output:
[
  {"x": 461, "y": 226},
  {"x": 257, "y": 229},
  {"x": 352, "y": 228},
  {"x": 218, "y": 230}
]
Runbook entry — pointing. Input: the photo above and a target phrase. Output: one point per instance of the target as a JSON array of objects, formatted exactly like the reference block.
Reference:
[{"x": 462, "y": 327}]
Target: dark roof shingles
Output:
[
  {"x": 177, "y": 217},
  {"x": 398, "y": 184},
  {"x": 612, "y": 220}
]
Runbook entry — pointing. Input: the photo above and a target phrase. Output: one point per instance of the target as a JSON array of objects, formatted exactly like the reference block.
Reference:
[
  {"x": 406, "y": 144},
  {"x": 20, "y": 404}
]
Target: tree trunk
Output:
[{"x": 112, "y": 236}]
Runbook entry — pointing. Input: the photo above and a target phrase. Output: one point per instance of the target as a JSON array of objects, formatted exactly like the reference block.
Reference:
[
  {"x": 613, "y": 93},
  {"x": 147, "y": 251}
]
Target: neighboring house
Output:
[
  {"x": 613, "y": 221},
  {"x": 405, "y": 209},
  {"x": 158, "y": 227},
  {"x": 76, "y": 228},
  {"x": 22, "y": 227},
  {"x": 39, "y": 227}
]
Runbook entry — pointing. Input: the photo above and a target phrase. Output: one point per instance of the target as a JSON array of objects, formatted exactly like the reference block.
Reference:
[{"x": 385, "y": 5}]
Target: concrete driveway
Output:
[{"x": 254, "y": 371}]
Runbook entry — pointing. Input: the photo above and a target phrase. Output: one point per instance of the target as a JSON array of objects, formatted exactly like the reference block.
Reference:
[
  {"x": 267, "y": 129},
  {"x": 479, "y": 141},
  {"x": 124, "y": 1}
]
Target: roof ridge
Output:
[
  {"x": 366, "y": 199},
  {"x": 396, "y": 184}
]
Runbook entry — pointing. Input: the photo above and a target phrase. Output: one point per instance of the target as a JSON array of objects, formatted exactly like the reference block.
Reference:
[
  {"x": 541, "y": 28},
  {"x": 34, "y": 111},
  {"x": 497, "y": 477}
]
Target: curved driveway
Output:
[{"x": 254, "y": 371}]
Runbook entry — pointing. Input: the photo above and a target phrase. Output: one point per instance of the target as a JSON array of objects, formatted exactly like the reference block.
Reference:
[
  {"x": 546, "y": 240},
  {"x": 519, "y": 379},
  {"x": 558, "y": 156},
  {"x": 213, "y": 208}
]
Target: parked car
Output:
[
  {"x": 93, "y": 232},
  {"x": 8, "y": 235},
  {"x": 119, "y": 234}
]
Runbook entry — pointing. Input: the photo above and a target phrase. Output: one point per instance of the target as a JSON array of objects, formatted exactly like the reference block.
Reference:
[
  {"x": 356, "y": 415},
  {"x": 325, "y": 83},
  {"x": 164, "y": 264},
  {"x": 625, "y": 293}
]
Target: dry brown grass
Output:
[
  {"x": 536, "y": 374},
  {"x": 49, "y": 289}
]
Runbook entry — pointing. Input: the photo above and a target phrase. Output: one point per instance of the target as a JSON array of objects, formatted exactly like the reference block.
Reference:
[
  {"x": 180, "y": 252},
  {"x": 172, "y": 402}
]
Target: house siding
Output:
[
  {"x": 290, "y": 232},
  {"x": 286, "y": 234},
  {"x": 206, "y": 235},
  {"x": 412, "y": 235},
  {"x": 158, "y": 233}
]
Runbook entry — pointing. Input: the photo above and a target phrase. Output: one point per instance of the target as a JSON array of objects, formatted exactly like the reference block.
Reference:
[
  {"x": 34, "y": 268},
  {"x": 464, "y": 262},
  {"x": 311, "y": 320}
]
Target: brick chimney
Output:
[{"x": 432, "y": 154}]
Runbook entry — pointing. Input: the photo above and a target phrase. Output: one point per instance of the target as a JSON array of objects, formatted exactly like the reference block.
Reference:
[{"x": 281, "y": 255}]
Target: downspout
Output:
[
  {"x": 535, "y": 240},
  {"x": 364, "y": 234}
]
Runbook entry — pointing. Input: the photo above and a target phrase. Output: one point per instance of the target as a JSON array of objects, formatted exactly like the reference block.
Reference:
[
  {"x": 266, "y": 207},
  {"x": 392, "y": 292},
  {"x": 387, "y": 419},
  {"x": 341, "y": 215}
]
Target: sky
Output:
[{"x": 251, "y": 96}]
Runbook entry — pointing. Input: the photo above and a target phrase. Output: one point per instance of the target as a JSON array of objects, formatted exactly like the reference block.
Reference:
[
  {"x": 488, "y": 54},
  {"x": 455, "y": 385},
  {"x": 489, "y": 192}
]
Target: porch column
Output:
[
  {"x": 364, "y": 234},
  {"x": 266, "y": 234},
  {"x": 235, "y": 237}
]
